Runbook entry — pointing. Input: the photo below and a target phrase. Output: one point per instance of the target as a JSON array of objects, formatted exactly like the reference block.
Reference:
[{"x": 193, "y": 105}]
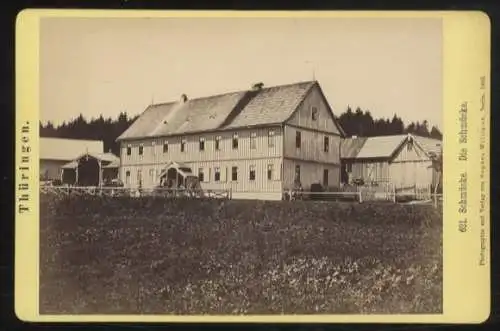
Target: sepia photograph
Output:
[{"x": 240, "y": 166}]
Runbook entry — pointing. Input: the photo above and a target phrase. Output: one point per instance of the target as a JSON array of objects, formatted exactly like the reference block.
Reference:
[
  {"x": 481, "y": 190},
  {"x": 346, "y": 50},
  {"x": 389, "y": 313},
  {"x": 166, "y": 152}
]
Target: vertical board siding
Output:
[
  {"x": 153, "y": 148},
  {"x": 411, "y": 173},
  {"x": 377, "y": 171},
  {"x": 150, "y": 175},
  {"x": 312, "y": 146},
  {"x": 310, "y": 173},
  {"x": 303, "y": 115}
]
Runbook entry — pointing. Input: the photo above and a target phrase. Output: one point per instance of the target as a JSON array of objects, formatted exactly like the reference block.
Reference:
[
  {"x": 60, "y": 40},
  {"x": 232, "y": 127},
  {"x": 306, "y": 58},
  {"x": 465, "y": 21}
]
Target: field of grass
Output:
[{"x": 151, "y": 255}]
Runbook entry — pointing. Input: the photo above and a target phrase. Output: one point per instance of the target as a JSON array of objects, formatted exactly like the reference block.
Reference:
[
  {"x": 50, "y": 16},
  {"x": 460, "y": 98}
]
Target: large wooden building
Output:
[
  {"x": 56, "y": 152},
  {"x": 402, "y": 160},
  {"x": 256, "y": 142}
]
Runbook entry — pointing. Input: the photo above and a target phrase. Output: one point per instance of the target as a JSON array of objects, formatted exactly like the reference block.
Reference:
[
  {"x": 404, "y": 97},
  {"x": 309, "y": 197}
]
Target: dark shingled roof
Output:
[{"x": 271, "y": 105}]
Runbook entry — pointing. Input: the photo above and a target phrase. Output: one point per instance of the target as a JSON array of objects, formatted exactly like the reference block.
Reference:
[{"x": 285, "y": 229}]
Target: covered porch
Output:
[{"x": 178, "y": 175}]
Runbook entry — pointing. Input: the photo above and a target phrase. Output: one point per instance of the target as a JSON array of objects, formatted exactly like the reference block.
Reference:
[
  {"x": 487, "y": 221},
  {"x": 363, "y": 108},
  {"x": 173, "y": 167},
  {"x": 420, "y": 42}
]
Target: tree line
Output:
[{"x": 354, "y": 123}]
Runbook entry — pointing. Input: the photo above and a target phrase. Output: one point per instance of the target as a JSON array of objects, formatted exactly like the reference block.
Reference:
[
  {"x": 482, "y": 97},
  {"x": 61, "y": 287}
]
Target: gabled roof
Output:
[
  {"x": 269, "y": 105},
  {"x": 110, "y": 160},
  {"x": 67, "y": 149},
  {"x": 384, "y": 146}
]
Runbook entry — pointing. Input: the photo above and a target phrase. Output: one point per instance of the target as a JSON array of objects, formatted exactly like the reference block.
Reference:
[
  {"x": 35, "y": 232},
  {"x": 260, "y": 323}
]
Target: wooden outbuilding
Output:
[{"x": 402, "y": 160}]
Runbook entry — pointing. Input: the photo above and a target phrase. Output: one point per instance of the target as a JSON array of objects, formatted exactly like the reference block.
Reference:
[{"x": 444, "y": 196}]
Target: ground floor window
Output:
[
  {"x": 217, "y": 174},
  {"x": 325, "y": 177},
  {"x": 270, "y": 171},
  {"x": 127, "y": 177},
  {"x": 201, "y": 175},
  {"x": 252, "y": 172},
  {"x": 234, "y": 174},
  {"x": 297, "y": 173}
]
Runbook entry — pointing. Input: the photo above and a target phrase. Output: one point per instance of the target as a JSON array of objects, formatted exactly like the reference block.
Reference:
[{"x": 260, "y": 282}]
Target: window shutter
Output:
[{"x": 223, "y": 174}]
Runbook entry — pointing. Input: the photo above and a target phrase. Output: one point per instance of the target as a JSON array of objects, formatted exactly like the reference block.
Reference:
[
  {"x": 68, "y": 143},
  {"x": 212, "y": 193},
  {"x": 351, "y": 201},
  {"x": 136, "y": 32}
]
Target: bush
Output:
[{"x": 155, "y": 255}]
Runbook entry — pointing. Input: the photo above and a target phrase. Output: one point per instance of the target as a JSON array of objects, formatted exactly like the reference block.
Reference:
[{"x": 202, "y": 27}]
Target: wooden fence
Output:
[{"x": 122, "y": 191}]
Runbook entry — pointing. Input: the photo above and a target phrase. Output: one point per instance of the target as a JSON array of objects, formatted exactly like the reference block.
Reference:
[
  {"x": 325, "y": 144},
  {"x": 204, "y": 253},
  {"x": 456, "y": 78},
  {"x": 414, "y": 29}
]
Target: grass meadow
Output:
[{"x": 103, "y": 255}]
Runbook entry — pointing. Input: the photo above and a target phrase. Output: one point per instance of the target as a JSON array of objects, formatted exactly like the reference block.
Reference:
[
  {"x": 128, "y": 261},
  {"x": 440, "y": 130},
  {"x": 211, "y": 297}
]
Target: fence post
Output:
[{"x": 393, "y": 192}]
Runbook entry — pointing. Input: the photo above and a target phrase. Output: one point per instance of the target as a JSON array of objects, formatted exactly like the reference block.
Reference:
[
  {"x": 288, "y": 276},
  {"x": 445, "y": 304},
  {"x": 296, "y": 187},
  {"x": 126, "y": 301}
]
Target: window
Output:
[
  {"x": 217, "y": 174},
  {"x": 252, "y": 172},
  {"x": 314, "y": 113},
  {"x": 165, "y": 147},
  {"x": 141, "y": 150},
  {"x": 183, "y": 145},
  {"x": 326, "y": 144},
  {"x": 139, "y": 177},
  {"x": 325, "y": 177},
  {"x": 201, "y": 175},
  {"x": 234, "y": 174},
  {"x": 270, "y": 138},
  {"x": 253, "y": 140},
  {"x": 202, "y": 144},
  {"x": 235, "y": 141},
  {"x": 153, "y": 149},
  {"x": 297, "y": 173},
  {"x": 127, "y": 177},
  {"x": 217, "y": 142},
  {"x": 349, "y": 167},
  {"x": 270, "y": 171},
  {"x": 298, "y": 139},
  {"x": 409, "y": 146},
  {"x": 129, "y": 150}
]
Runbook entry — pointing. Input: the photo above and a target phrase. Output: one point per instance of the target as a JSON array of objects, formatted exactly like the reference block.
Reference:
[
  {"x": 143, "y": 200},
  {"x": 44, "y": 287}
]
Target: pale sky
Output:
[{"x": 104, "y": 66}]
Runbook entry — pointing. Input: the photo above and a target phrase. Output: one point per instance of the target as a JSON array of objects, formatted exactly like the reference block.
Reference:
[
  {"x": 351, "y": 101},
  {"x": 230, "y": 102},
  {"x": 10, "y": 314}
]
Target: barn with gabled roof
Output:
[{"x": 402, "y": 160}]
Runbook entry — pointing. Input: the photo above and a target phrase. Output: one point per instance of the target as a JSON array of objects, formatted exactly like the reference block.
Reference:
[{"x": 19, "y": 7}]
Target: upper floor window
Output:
[
  {"x": 235, "y": 141},
  {"x": 202, "y": 144},
  {"x": 314, "y": 113},
  {"x": 165, "y": 147},
  {"x": 129, "y": 150},
  {"x": 252, "y": 172},
  {"x": 409, "y": 146},
  {"x": 253, "y": 140},
  {"x": 217, "y": 142},
  {"x": 141, "y": 149},
  {"x": 183, "y": 145},
  {"x": 326, "y": 144},
  {"x": 270, "y": 138},
  {"x": 298, "y": 139}
]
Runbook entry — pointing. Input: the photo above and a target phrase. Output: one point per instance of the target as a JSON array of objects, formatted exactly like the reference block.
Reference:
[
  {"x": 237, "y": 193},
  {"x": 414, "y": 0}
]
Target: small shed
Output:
[
  {"x": 91, "y": 169},
  {"x": 402, "y": 160}
]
